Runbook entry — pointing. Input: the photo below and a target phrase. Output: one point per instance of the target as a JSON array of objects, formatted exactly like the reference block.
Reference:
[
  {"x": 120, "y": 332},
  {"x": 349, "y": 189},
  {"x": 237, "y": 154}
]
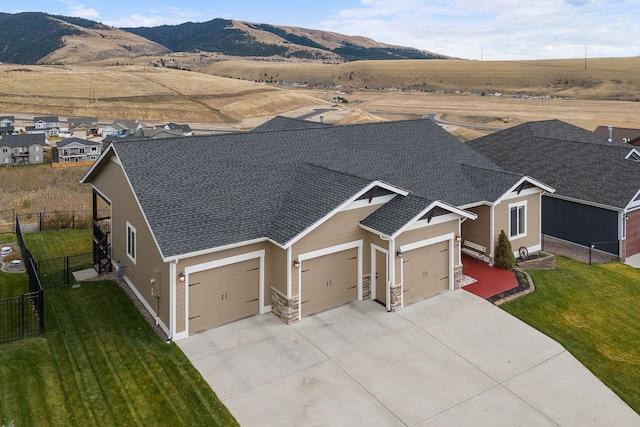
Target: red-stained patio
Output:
[{"x": 490, "y": 280}]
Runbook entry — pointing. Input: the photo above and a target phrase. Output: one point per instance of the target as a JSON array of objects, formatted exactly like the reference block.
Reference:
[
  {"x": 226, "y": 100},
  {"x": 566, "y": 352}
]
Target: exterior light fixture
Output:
[
  {"x": 296, "y": 263},
  {"x": 399, "y": 254},
  {"x": 458, "y": 238},
  {"x": 181, "y": 277}
]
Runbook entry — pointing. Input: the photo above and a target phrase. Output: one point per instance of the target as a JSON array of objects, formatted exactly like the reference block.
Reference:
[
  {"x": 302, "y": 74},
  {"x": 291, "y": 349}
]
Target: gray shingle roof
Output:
[
  {"x": 22, "y": 140},
  {"x": 286, "y": 123},
  {"x": 69, "y": 141},
  {"x": 578, "y": 163},
  {"x": 231, "y": 188}
]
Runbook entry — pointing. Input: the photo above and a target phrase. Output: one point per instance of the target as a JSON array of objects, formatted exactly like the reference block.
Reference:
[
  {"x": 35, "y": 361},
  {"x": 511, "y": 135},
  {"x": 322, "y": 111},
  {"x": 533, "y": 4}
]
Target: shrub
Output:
[{"x": 504, "y": 254}]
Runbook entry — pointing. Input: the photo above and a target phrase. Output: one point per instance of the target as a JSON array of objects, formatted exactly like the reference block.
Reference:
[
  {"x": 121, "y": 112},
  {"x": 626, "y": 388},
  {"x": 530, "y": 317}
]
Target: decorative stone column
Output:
[
  {"x": 396, "y": 297},
  {"x": 287, "y": 309},
  {"x": 457, "y": 277},
  {"x": 366, "y": 287}
]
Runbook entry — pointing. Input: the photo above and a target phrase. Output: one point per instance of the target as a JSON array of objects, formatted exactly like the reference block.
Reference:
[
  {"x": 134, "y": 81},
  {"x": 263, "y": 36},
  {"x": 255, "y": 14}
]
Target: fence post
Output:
[
  {"x": 590, "y": 251},
  {"x": 22, "y": 316},
  {"x": 73, "y": 220},
  {"x": 40, "y": 225},
  {"x": 66, "y": 270}
]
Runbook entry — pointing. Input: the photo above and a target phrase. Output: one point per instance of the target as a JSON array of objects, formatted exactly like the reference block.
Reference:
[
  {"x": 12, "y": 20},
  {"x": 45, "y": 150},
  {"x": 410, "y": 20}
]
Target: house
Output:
[
  {"x": 123, "y": 128},
  {"x": 22, "y": 149},
  {"x": 597, "y": 182},
  {"x": 7, "y": 125},
  {"x": 214, "y": 228},
  {"x": 160, "y": 132},
  {"x": 82, "y": 127},
  {"x": 627, "y": 135},
  {"x": 287, "y": 123},
  {"x": 77, "y": 150},
  {"x": 47, "y": 125},
  {"x": 184, "y": 129}
]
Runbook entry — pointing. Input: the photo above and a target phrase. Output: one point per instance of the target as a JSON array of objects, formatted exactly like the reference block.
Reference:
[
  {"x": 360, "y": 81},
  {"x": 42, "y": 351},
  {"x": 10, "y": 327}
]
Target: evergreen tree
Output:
[{"x": 504, "y": 254}]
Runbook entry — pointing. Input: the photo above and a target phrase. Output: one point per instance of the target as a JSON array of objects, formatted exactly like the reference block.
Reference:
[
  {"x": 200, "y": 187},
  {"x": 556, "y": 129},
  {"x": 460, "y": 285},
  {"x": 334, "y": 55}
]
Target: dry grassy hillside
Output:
[
  {"x": 100, "y": 44},
  {"x": 605, "y": 79},
  {"x": 138, "y": 92}
]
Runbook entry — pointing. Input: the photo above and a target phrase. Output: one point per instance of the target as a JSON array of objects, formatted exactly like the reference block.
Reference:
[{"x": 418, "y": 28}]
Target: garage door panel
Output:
[
  {"x": 223, "y": 294},
  {"x": 426, "y": 272},
  {"x": 329, "y": 281}
]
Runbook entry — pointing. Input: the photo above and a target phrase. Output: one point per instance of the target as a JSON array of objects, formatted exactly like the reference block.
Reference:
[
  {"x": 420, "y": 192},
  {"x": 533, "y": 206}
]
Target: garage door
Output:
[
  {"x": 329, "y": 281},
  {"x": 425, "y": 272},
  {"x": 633, "y": 233},
  {"x": 223, "y": 294}
]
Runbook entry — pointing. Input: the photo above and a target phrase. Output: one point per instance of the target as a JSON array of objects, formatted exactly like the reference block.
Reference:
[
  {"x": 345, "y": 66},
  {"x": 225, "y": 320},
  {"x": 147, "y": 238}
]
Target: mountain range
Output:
[{"x": 36, "y": 37}]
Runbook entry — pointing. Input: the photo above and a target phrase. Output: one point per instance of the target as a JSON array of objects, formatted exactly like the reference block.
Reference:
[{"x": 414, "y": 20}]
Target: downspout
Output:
[
  {"x": 391, "y": 266},
  {"x": 493, "y": 234},
  {"x": 172, "y": 299}
]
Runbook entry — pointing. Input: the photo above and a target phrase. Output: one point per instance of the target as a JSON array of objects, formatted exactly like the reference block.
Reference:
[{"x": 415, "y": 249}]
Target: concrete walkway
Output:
[{"x": 451, "y": 360}]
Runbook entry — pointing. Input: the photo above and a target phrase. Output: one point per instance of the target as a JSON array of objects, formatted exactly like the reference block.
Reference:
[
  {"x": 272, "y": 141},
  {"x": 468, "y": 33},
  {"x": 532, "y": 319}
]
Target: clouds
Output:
[{"x": 500, "y": 29}]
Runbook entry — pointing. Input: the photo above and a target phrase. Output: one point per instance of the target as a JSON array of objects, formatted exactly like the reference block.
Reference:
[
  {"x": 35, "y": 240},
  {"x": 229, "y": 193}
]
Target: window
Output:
[
  {"x": 94, "y": 149},
  {"x": 36, "y": 159},
  {"x": 518, "y": 220},
  {"x": 36, "y": 148},
  {"x": 5, "y": 150},
  {"x": 131, "y": 242}
]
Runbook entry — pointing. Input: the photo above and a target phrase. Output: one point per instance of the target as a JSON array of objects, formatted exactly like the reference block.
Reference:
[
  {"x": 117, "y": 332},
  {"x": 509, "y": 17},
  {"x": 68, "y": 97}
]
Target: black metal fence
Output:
[
  {"x": 23, "y": 315},
  {"x": 57, "y": 220},
  {"x": 59, "y": 271}
]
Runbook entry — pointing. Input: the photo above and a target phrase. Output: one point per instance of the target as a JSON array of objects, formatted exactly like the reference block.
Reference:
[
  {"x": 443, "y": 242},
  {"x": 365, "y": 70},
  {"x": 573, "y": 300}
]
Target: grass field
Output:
[
  {"x": 100, "y": 364},
  {"x": 592, "y": 310}
]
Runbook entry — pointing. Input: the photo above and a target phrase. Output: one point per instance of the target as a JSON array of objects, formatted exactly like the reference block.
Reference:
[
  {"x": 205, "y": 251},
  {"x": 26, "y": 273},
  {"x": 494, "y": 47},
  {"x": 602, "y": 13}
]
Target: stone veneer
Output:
[
  {"x": 396, "y": 297},
  {"x": 457, "y": 277},
  {"x": 287, "y": 309},
  {"x": 366, "y": 287}
]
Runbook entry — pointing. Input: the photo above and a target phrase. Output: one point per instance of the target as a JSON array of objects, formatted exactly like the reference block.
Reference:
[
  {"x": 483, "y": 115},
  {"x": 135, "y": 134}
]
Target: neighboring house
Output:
[
  {"x": 123, "y": 128},
  {"x": 627, "y": 135},
  {"x": 214, "y": 228},
  {"x": 287, "y": 123},
  {"x": 82, "y": 127},
  {"x": 184, "y": 129},
  {"x": 7, "y": 125},
  {"x": 156, "y": 133},
  {"x": 72, "y": 150},
  {"x": 597, "y": 182},
  {"x": 47, "y": 125},
  {"x": 22, "y": 149}
]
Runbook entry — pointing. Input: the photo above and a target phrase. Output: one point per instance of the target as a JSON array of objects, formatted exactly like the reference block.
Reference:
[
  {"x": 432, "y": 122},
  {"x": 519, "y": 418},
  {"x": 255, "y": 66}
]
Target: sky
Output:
[{"x": 469, "y": 29}]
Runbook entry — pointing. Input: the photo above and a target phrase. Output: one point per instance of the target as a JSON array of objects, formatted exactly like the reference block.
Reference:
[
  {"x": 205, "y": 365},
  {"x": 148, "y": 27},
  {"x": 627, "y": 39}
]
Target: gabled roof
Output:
[
  {"x": 77, "y": 141},
  {"x": 578, "y": 163},
  {"x": 240, "y": 187},
  {"x": 48, "y": 119},
  {"x": 22, "y": 140},
  {"x": 8, "y": 118},
  {"x": 286, "y": 123}
]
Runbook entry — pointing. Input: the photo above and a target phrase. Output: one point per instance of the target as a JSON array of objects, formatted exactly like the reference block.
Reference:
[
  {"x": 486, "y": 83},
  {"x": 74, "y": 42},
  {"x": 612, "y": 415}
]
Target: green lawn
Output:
[
  {"x": 50, "y": 247},
  {"x": 593, "y": 311},
  {"x": 11, "y": 284},
  {"x": 100, "y": 364}
]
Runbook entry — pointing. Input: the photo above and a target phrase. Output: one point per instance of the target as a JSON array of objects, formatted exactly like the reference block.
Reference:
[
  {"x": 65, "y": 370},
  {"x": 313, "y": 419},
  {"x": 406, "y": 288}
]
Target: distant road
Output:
[{"x": 432, "y": 116}]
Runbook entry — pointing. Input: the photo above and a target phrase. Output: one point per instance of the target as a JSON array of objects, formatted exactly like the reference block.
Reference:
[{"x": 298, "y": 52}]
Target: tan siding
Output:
[
  {"x": 112, "y": 183},
  {"x": 423, "y": 234},
  {"x": 276, "y": 271},
  {"x": 342, "y": 228},
  {"x": 180, "y": 306},
  {"x": 478, "y": 230},
  {"x": 533, "y": 221}
]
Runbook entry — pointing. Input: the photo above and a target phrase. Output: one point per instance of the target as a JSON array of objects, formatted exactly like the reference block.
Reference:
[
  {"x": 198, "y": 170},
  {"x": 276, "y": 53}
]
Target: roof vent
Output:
[{"x": 610, "y": 133}]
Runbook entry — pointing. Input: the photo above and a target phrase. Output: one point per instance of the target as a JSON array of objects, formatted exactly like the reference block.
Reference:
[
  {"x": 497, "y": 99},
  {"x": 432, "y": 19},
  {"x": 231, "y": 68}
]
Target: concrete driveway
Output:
[{"x": 451, "y": 360}]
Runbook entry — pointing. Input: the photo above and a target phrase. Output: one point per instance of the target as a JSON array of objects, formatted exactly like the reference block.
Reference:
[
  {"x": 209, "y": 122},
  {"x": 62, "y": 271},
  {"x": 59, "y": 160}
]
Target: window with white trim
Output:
[
  {"x": 518, "y": 220},
  {"x": 131, "y": 242}
]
